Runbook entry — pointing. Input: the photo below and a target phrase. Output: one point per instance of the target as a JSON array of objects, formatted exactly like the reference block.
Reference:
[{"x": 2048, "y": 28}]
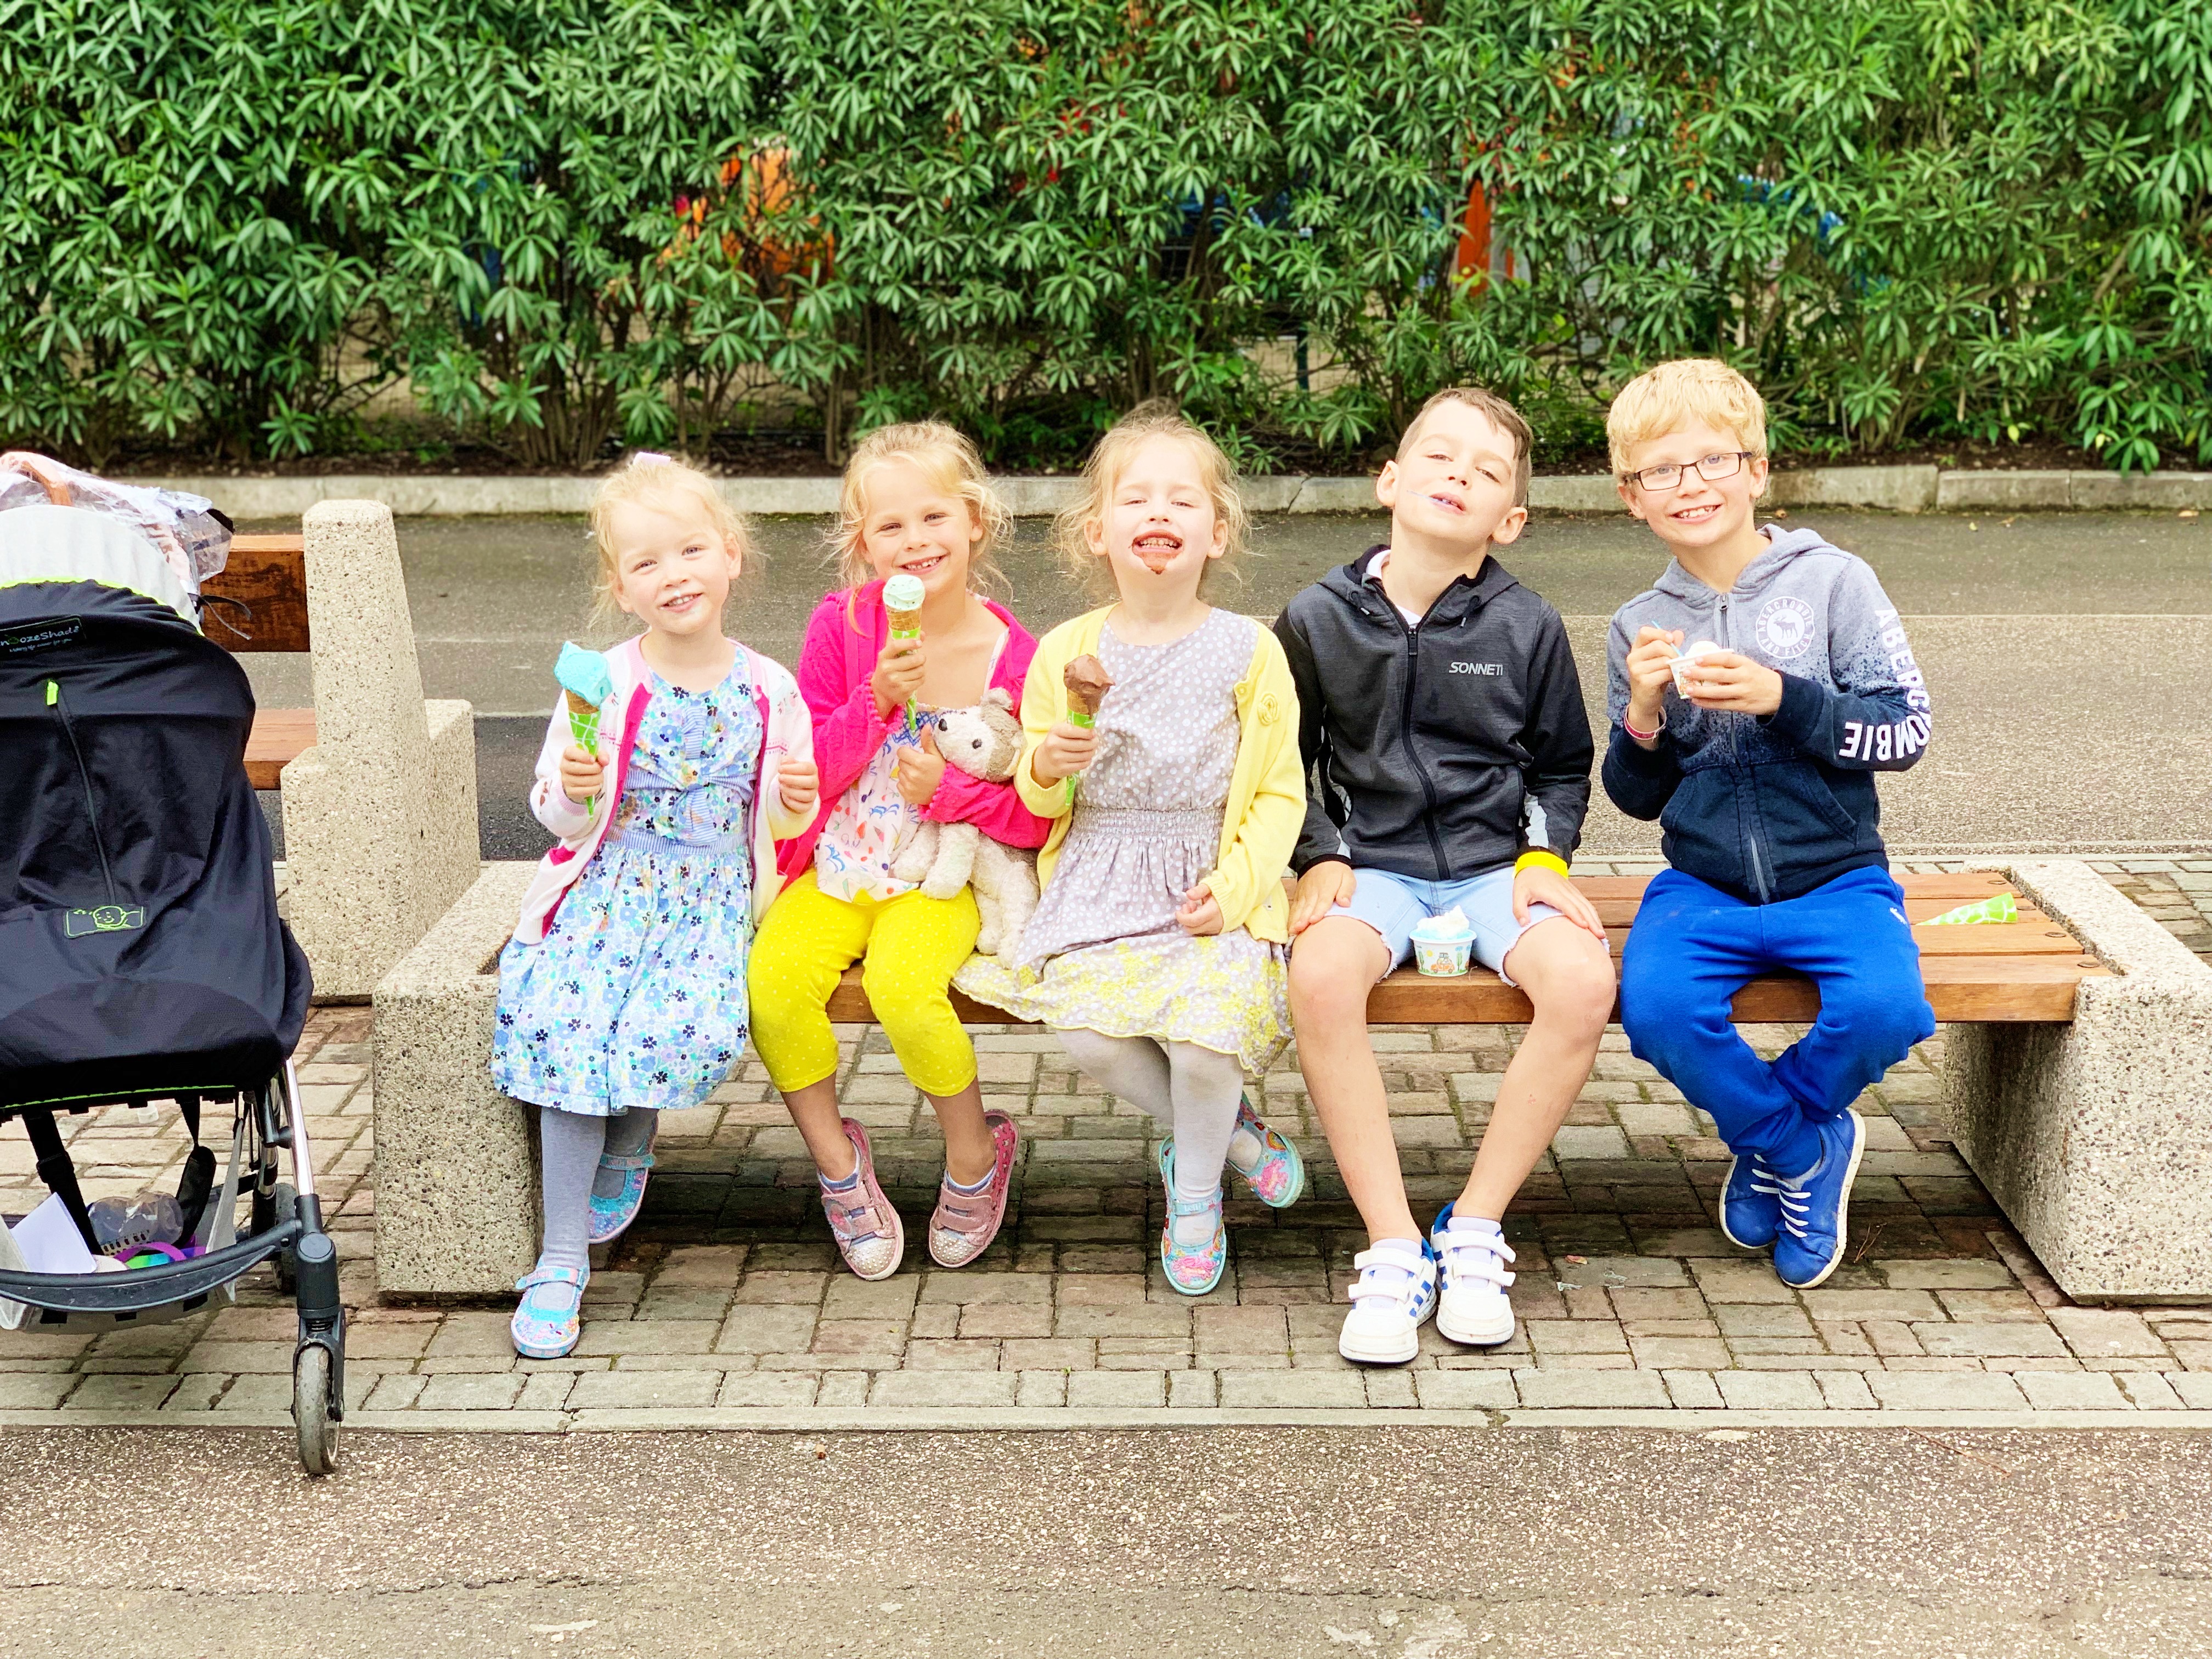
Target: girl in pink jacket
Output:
[{"x": 917, "y": 515}]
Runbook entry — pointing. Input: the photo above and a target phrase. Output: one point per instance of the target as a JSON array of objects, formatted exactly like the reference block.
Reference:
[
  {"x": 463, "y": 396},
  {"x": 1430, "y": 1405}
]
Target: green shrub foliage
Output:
[{"x": 571, "y": 224}]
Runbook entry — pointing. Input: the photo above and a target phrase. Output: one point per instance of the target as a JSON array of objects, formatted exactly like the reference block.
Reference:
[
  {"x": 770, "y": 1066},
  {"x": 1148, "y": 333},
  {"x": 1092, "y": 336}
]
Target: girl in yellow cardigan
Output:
[{"x": 1158, "y": 948}]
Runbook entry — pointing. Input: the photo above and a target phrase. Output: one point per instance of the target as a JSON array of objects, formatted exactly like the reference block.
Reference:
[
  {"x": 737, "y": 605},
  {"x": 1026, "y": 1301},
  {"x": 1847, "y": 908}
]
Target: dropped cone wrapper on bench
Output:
[
  {"x": 1442, "y": 944},
  {"x": 1998, "y": 910},
  {"x": 586, "y": 687}
]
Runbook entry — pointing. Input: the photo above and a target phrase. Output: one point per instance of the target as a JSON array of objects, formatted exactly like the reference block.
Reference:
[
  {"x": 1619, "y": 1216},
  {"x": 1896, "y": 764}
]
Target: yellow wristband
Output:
[{"x": 1539, "y": 859}]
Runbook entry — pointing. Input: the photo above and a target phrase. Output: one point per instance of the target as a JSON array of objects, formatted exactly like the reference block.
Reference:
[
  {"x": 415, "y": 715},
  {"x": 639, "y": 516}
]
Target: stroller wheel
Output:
[
  {"x": 311, "y": 1409},
  {"x": 285, "y": 1204}
]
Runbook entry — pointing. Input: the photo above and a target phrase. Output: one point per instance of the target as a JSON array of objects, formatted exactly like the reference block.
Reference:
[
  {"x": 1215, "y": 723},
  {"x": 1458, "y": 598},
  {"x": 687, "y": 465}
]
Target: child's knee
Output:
[
  {"x": 1334, "y": 965},
  {"x": 1881, "y": 1025},
  {"x": 1661, "y": 1010},
  {"x": 902, "y": 996}
]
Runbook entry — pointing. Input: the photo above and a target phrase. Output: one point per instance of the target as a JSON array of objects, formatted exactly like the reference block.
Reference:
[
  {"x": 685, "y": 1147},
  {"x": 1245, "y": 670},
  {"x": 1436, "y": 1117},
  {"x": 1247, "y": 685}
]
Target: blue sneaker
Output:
[
  {"x": 1751, "y": 1203},
  {"x": 1813, "y": 1205}
]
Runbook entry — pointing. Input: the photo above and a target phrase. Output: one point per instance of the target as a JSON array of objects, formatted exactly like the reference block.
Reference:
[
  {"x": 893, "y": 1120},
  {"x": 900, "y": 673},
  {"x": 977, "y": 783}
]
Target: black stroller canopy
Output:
[{"x": 140, "y": 949}]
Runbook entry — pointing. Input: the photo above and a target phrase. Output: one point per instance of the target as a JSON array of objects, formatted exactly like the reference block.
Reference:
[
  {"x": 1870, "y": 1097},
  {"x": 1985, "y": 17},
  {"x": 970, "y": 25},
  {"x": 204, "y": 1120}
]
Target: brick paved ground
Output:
[{"x": 728, "y": 1293}]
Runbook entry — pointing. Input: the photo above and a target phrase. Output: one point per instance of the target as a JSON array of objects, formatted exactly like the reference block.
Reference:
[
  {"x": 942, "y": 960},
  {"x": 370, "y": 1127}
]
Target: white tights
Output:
[{"x": 1193, "y": 1092}]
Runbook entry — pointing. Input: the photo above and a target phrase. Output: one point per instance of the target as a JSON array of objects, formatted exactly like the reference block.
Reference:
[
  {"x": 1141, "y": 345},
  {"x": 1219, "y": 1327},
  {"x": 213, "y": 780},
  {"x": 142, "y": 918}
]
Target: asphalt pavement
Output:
[
  {"x": 2062, "y": 650},
  {"x": 1286, "y": 1543}
]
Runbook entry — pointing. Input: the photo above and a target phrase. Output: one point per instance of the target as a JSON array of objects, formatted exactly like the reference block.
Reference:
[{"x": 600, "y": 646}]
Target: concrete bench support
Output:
[
  {"x": 2095, "y": 1138},
  {"x": 456, "y": 1160},
  {"x": 380, "y": 815}
]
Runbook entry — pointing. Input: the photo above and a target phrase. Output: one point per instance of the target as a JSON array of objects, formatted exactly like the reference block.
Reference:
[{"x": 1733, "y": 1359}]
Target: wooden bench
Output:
[
  {"x": 268, "y": 576},
  {"x": 456, "y": 1160},
  {"x": 2020, "y": 970}
]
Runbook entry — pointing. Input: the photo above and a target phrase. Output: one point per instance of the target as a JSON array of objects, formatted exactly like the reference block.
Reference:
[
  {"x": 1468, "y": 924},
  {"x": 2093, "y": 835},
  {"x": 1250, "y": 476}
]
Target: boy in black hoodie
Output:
[{"x": 1449, "y": 761}]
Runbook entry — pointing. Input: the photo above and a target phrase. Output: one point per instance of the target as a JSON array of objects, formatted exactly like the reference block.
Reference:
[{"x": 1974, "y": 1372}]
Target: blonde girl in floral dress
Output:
[
  {"x": 1158, "y": 947},
  {"x": 623, "y": 993}
]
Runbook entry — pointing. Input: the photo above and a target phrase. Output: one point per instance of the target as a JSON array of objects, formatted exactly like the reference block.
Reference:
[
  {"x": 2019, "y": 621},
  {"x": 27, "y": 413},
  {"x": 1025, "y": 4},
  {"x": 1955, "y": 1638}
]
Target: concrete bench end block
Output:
[
  {"x": 2095, "y": 1136},
  {"x": 456, "y": 1160}
]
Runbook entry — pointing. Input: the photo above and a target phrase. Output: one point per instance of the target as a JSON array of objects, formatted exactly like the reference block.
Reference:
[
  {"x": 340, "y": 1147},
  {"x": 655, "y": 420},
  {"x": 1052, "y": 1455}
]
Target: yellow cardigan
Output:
[{"x": 1266, "y": 803}]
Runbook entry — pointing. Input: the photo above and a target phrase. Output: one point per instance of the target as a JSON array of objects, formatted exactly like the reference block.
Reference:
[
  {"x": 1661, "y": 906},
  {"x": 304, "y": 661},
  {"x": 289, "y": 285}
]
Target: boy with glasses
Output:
[{"x": 1754, "y": 691}]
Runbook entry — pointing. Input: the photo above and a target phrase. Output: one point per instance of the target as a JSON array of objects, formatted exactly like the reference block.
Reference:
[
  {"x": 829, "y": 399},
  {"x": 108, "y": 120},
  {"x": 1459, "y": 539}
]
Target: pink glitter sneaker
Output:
[
  {"x": 869, "y": 1234},
  {"x": 966, "y": 1223}
]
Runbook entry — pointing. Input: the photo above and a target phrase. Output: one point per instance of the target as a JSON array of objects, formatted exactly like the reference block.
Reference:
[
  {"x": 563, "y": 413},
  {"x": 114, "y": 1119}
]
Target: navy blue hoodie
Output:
[{"x": 1770, "y": 807}]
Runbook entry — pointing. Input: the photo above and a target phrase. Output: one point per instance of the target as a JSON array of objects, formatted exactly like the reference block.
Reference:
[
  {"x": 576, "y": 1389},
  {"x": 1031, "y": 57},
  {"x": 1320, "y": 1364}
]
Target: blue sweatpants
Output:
[{"x": 1693, "y": 946}]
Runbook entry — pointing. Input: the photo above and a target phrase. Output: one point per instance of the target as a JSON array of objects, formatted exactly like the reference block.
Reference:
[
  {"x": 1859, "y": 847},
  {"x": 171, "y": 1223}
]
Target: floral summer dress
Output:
[
  {"x": 873, "y": 823},
  {"x": 1103, "y": 951},
  {"x": 636, "y": 996}
]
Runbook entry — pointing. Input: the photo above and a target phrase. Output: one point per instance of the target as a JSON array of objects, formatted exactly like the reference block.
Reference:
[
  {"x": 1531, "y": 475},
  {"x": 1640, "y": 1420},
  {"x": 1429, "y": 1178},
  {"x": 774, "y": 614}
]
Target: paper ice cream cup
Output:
[{"x": 1442, "y": 959}]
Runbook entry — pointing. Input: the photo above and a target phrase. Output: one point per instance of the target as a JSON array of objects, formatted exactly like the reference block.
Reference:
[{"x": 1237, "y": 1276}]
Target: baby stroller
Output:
[{"x": 142, "y": 959}]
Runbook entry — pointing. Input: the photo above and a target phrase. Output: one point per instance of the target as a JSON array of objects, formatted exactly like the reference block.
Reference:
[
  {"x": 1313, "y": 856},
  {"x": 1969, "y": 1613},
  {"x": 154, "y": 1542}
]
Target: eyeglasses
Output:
[{"x": 1711, "y": 468}]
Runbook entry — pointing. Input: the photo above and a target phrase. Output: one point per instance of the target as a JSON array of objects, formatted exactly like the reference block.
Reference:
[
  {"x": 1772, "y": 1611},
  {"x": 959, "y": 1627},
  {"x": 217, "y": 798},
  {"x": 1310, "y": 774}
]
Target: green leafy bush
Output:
[{"x": 570, "y": 224}]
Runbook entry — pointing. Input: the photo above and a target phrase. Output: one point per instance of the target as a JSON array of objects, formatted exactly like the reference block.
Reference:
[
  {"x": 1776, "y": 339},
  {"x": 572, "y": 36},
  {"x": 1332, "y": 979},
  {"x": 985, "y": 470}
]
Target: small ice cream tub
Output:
[
  {"x": 1442, "y": 944},
  {"x": 1687, "y": 659}
]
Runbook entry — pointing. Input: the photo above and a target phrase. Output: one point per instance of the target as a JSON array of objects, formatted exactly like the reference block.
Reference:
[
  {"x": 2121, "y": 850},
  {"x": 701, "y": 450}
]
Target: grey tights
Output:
[
  {"x": 571, "y": 1143},
  {"x": 1193, "y": 1092}
]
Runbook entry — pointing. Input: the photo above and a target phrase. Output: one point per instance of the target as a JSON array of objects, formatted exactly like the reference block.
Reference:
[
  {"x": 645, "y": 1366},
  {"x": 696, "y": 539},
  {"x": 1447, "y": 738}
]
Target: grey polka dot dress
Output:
[{"x": 1103, "y": 951}]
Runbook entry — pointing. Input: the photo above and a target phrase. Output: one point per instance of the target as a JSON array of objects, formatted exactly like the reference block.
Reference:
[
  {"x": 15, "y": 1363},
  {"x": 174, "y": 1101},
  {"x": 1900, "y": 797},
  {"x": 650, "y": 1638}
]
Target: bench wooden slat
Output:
[
  {"x": 2025, "y": 970},
  {"x": 269, "y": 574},
  {"x": 1622, "y": 913},
  {"x": 1977, "y": 989},
  {"x": 279, "y": 737}
]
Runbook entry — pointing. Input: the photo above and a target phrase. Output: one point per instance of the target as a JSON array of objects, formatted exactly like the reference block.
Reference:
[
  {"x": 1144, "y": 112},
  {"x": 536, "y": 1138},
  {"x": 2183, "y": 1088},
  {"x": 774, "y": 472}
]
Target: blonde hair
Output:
[
  {"x": 655, "y": 481},
  {"x": 1499, "y": 413},
  {"x": 1688, "y": 391},
  {"x": 952, "y": 461},
  {"x": 1108, "y": 457}
]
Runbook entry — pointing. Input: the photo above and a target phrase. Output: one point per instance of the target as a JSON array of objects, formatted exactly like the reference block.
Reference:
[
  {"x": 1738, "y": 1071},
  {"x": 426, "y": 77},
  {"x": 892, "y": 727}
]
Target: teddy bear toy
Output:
[{"x": 985, "y": 742}]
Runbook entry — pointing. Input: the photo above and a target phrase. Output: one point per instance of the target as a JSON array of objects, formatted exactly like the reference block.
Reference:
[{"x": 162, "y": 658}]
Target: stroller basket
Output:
[{"x": 185, "y": 1286}]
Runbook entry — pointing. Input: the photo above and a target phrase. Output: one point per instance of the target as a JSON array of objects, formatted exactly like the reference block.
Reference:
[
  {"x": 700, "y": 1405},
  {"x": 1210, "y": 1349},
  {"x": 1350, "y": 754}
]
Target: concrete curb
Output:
[
  {"x": 1055, "y": 1419},
  {"x": 1894, "y": 488}
]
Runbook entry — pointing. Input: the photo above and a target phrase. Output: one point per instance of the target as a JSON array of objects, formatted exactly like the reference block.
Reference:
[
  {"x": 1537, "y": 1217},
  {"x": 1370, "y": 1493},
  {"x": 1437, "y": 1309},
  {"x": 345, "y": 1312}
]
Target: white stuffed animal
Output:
[{"x": 985, "y": 742}]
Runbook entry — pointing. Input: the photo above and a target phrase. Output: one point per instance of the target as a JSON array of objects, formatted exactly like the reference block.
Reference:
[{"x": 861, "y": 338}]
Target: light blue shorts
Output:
[{"x": 1394, "y": 905}]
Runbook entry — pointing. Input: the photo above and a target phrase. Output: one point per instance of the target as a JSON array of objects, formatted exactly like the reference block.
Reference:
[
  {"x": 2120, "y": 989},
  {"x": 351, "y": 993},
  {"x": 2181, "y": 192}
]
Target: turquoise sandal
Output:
[
  {"x": 1193, "y": 1270},
  {"x": 546, "y": 1325},
  {"x": 611, "y": 1216}
]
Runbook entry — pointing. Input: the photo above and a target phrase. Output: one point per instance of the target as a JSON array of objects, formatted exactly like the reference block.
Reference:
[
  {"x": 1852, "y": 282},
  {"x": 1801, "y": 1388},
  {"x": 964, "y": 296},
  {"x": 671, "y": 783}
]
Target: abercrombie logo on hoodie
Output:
[{"x": 1897, "y": 739}]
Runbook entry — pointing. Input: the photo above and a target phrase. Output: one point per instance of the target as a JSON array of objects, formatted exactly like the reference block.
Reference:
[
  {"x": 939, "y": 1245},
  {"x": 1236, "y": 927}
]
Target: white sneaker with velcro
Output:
[
  {"x": 1394, "y": 1294},
  {"x": 1470, "y": 1257}
]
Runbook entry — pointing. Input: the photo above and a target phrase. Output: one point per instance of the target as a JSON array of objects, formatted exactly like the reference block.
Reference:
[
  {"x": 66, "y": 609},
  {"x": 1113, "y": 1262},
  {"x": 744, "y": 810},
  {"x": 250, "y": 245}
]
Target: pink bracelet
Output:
[{"x": 1641, "y": 737}]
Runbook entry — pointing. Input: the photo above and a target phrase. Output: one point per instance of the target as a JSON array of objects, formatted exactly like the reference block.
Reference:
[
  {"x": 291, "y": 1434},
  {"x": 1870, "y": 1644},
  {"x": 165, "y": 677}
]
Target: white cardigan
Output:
[{"x": 789, "y": 735}]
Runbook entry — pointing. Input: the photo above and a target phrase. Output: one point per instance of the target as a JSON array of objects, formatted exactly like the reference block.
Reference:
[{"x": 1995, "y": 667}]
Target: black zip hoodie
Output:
[{"x": 1440, "y": 752}]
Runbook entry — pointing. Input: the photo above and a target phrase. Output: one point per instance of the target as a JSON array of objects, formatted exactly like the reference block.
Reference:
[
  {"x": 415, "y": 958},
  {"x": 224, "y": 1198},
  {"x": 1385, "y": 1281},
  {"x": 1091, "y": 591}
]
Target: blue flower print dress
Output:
[{"x": 636, "y": 995}]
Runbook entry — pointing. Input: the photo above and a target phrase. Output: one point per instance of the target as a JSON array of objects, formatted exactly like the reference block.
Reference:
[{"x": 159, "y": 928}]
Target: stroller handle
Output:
[{"x": 36, "y": 467}]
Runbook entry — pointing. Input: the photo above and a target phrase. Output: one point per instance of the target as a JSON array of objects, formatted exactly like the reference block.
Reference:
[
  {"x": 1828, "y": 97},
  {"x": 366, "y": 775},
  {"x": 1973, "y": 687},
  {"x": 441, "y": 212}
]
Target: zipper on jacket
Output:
[
  {"x": 1412, "y": 634},
  {"x": 1751, "y": 796},
  {"x": 56, "y": 701}
]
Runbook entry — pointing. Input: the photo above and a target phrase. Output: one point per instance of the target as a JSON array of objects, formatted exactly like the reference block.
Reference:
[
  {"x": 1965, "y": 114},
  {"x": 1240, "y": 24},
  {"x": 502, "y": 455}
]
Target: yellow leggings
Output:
[{"x": 914, "y": 945}]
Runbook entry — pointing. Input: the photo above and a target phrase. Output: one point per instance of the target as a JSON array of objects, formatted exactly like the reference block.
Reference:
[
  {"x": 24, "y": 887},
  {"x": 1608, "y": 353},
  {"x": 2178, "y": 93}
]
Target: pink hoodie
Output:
[{"x": 835, "y": 667}]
